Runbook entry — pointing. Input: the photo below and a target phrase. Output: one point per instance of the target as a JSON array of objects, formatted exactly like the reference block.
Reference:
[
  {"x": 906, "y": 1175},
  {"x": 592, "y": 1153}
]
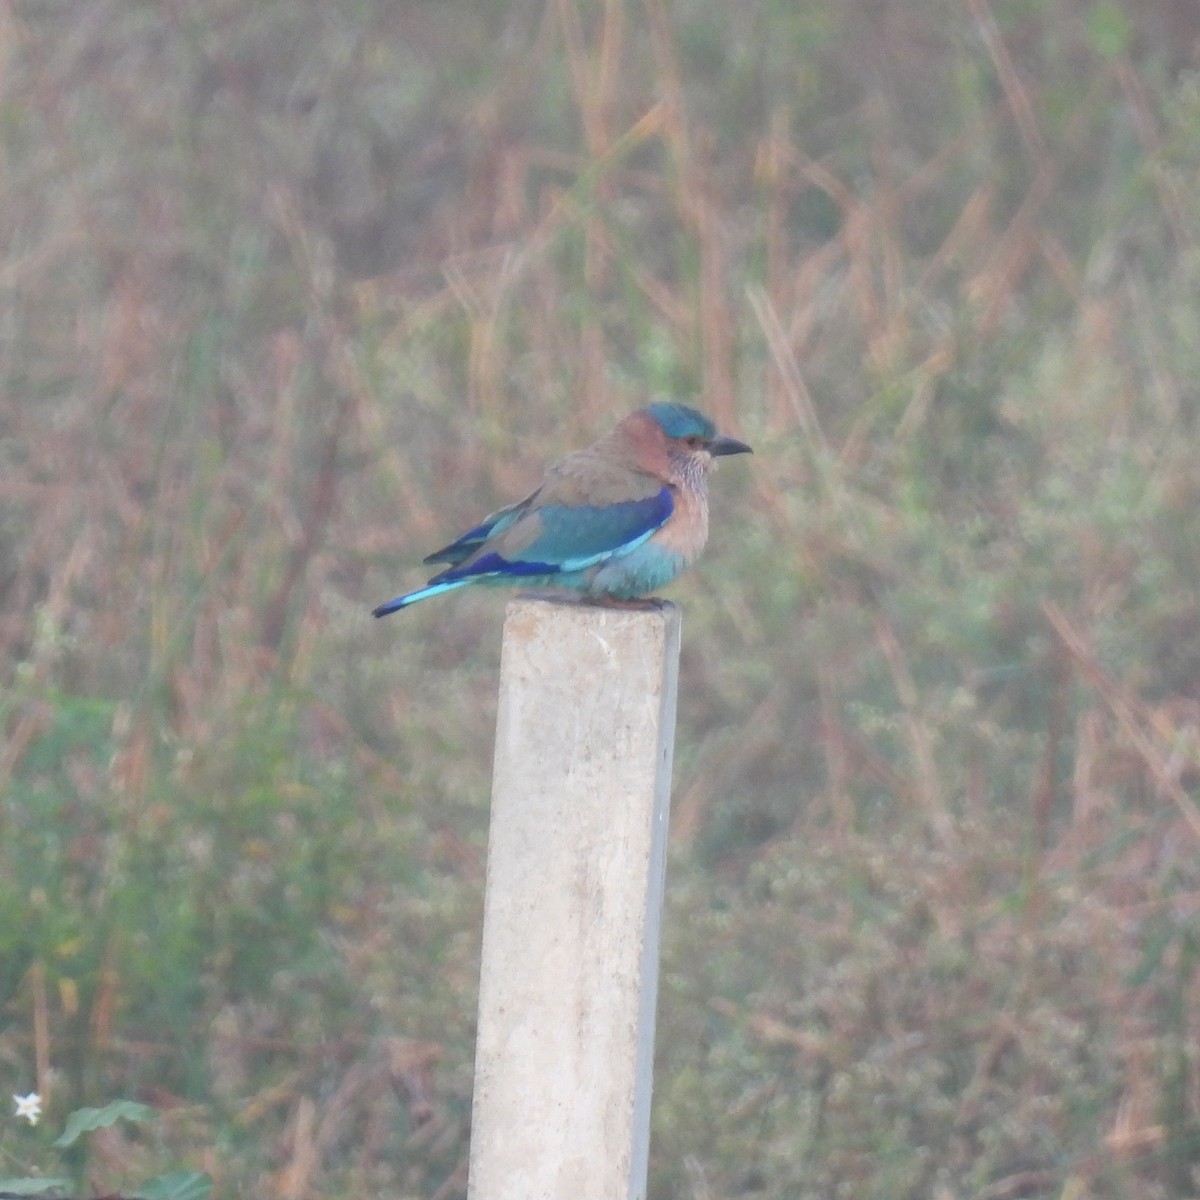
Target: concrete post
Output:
[{"x": 576, "y": 860}]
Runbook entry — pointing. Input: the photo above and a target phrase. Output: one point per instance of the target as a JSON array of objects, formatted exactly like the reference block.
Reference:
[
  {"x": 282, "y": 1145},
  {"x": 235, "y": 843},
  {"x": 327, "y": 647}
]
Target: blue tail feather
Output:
[{"x": 435, "y": 589}]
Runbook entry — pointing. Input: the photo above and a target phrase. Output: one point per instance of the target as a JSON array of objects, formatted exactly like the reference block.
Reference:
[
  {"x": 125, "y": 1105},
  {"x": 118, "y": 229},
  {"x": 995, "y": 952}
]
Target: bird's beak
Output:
[{"x": 722, "y": 445}]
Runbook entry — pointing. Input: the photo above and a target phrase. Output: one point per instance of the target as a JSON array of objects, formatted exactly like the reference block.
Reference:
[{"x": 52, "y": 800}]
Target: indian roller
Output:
[{"x": 615, "y": 521}]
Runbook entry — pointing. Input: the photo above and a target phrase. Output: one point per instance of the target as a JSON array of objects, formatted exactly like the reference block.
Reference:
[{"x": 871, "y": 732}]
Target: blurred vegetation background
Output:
[{"x": 292, "y": 291}]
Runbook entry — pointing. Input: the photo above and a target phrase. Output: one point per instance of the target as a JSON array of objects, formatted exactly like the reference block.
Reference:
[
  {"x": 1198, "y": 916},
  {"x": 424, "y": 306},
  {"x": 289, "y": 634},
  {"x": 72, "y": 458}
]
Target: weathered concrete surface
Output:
[{"x": 576, "y": 859}]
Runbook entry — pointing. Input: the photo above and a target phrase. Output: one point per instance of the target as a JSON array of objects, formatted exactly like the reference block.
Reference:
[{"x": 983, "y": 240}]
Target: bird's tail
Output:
[{"x": 434, "y": 589}]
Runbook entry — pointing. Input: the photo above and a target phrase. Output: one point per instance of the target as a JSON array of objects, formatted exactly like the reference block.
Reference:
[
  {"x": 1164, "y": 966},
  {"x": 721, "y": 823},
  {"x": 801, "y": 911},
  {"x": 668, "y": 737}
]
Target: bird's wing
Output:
[
  {"x": 584, "y": 513},
  {"x": 495, "y": 523}
]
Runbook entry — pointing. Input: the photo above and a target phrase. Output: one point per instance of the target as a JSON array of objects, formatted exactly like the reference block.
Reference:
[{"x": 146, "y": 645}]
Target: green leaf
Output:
[
  {"x": 85, "y": 1120},
  {"x": 179, "y": 1185},
  {"x": 41, "y": 1186}
]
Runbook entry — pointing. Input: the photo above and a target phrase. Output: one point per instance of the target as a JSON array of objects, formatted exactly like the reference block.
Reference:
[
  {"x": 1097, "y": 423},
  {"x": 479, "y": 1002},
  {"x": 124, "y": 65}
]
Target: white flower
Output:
[{"x": 29, "y": 1107}]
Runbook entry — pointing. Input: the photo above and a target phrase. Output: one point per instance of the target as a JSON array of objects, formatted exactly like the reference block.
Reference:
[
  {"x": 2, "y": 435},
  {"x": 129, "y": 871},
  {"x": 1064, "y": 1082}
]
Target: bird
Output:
[{"x": 612, "y": 523}]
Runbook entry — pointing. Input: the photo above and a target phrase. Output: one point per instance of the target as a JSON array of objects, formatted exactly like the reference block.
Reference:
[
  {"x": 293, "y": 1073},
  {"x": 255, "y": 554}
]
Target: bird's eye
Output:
[{"x": 694, "y": 442}]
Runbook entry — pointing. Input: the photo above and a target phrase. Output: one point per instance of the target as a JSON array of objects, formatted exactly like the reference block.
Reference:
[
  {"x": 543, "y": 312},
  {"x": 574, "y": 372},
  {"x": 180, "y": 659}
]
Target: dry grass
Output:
[{"x": 288, "y": 294}]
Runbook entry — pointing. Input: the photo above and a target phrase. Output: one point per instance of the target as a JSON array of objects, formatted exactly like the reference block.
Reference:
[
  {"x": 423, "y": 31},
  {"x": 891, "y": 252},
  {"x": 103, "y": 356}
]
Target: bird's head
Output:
[{"x": 673, "y": 439}]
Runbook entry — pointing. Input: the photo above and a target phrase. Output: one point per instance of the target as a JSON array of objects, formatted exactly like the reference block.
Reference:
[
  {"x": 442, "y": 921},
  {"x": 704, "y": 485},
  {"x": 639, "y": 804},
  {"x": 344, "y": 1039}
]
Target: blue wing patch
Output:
[
  {"x": 572, "y": 538},
  {"x": 575, "y": 537},
  {"x": 494, "y": 564}
]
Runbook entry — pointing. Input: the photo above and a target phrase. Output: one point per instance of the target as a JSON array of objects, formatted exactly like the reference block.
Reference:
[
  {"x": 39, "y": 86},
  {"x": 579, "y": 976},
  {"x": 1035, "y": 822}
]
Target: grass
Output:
[{"x": 289, "y": 295}]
